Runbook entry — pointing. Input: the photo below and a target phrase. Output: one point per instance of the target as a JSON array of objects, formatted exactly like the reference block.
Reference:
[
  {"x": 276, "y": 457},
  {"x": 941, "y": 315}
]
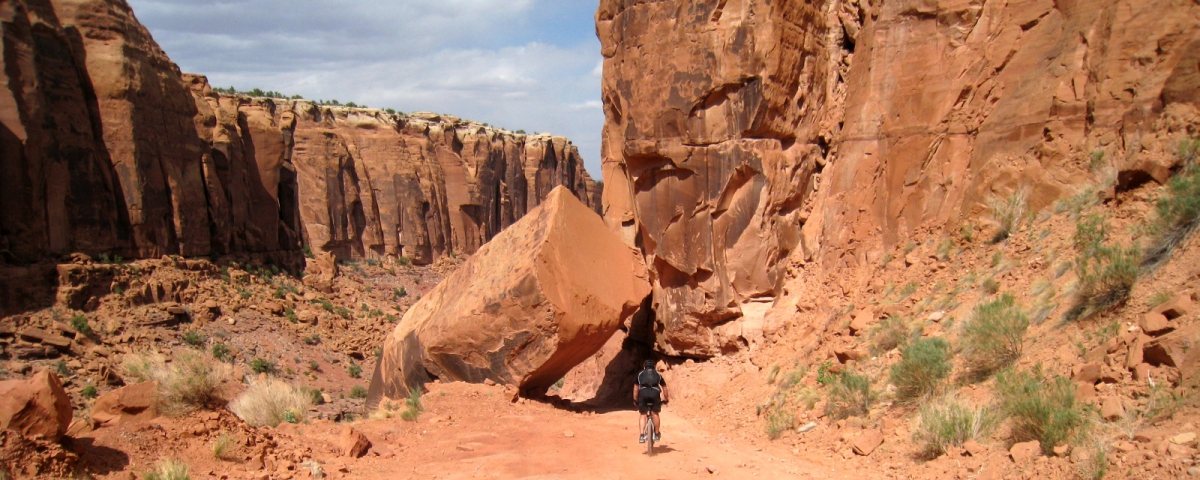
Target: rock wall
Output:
[
  {"x": 365, "y": 183},
  {"x": 105, "y": 147},
  {"x": 751, "y": 142}
]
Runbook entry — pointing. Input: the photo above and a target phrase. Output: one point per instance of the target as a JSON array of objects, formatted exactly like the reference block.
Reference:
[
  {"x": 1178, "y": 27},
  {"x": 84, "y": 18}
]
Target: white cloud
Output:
[{"x": 496, "y": 61}]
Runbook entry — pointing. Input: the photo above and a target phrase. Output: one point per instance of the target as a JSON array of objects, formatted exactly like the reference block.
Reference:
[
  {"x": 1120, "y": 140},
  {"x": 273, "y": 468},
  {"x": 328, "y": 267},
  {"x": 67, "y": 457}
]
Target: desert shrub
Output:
[
  {"x": 951, "y": 422},
  {"x": 894, "y": 331},
  {"x": 270, "y": 403},
  {"x": 194, "y": 338},
  {"x": 220, "y": 351},
  {"x": 924, "y": 365},
  {"x": 88, "y": 392},
  {"x": 994, "y": 336},
  {"x": 1039, "y": 407},
  {"x": 80, "y": 324},
  {"x": 355, "y": 370},
  {"x": 1177, "y": 216},
  {"x": 314, "y": 394},
  {"x": 1157, "y": 299},
  {"x": 1007, "y": 213},
  {"x": 189, "y": 382},
  {"x": 773, "y": 373},
  {"x": 779, "y": 420},
  {"x": 60, "y": 367},
  {"x": 849, "y": 394},
  {"x": 1093, "y": 464},
  {"x": 312, "y": 339},
  {"x": 358, "y": 391},
  {"x": 290, "y": 315},
  {"x": 168, "y": 470},
  {"x": 222, "y": 447},
  {"x": 1106, "y": 272},
  {"x": 262, "y": 365},
  {"x": 412, "y": 406},
  {"x": 990, "y": 286}
]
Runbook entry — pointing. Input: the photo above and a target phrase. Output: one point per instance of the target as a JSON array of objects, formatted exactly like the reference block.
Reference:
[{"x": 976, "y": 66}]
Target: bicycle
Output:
[{"x": 649, "y": 433}]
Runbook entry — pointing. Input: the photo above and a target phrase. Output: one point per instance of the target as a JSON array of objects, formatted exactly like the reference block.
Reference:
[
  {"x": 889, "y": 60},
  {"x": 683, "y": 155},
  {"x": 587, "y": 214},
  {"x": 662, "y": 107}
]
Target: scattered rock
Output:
[
  {"x": 808, "y": 427},
  {"x": 844, "y": 355},
  {"x": 35, "y": 407},
  {"x": 569, "y": 434},
  {"x": 867, "y": 442},
  {"x": 1022, "y": 453},
  {"x": 353, "y": 443},
  {"x": 1089, "y": 373},
  {"x": 133, "y": 403},
  {"x": 1061, "y": 450},
  {"x": 974, "y": 448},
  {"x": 1112, "y": 409},
  {"x": 1154, "y": 323},
  {"x": 1184, "y": 438}
]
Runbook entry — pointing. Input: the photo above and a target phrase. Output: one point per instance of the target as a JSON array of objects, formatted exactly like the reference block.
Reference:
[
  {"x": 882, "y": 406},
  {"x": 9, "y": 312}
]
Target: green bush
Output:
[
  {"x": 850, "y": 395},
  {"x": 950, "y": 422},
  {"x": 412, "y": 406},
  {"x": 355, "y": 370},
  {"x": 894, "y": 331},
  {"x": 194, "y": 338},
  {"x": 261, "y": 365},
  {"x": 80, "y": 324},
  {"x": 923, "y": 366},
  {"x": 312, "y": 339},
  {"x": 88, "y": 392},
  {"x": 994, "y": 336},
  {"x": 1040, "y": 408},
  {"x": 1177, "y": 213},
  {"x": 358, "y": 391},
  {"x": 1106, "y": 272},
  {"x": 220, "y": 351}
]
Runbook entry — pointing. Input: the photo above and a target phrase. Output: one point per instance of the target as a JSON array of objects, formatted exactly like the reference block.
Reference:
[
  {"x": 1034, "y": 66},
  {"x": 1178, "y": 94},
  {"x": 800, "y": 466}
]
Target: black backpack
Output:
[{"x": 649, "y": 378}]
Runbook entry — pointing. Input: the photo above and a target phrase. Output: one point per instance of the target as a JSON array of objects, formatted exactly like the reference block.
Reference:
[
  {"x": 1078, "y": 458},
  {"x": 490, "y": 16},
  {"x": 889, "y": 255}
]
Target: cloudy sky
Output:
[{"x": 516, "y": 64}]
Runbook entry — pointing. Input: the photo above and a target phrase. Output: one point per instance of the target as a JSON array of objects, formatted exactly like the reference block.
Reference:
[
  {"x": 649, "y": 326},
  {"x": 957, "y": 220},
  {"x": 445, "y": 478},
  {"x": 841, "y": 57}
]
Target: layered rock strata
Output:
[
  {"x": 106, "y": 148},
  {"x": 750, "y": 142},
  {"x": 540, "y": 298}
]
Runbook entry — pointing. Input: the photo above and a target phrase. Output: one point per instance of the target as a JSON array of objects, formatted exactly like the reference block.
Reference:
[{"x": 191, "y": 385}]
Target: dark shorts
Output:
[{"x": 648, "y": 401}]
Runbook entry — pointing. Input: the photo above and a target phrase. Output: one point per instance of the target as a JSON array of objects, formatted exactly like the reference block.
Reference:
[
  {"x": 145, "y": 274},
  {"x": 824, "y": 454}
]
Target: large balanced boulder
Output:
[
  {"x": 541, "y": 297},
  {"x": 35, "y": 407}
]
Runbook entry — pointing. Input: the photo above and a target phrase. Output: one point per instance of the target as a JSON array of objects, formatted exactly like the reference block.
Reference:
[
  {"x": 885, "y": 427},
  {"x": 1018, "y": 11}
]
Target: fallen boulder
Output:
[
  {"x": 35, "y": 407},
  {"x": 133, "y": 403},
  {"x": 538, "y": 299}
]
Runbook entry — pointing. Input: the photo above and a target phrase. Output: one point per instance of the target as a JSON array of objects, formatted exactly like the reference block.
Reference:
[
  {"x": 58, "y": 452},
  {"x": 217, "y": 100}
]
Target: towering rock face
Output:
[
  {"x": 745, "y": 137},
  {"x": 365, "y": 183},
  {"x": 105, "y": 147}
]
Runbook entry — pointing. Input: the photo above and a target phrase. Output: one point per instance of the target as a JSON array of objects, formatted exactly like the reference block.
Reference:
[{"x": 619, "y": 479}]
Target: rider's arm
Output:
[
  {"x": 636, "y": 389},
  {"x": 666, "y": 393}
]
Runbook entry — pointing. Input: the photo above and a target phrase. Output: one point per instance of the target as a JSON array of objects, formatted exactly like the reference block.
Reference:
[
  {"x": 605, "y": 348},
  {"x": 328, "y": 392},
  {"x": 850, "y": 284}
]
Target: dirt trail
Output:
[{"x": 470, "y": 431}]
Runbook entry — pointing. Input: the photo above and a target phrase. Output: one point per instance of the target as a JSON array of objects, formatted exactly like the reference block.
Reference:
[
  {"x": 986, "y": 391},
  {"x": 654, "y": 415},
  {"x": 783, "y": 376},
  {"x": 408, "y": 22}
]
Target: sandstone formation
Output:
[
  {"x": 106, "y": 148},
  {"x": 534, "y": 302},
  {"x": 37, "y": 407},
  {"x": 747, "y": 139},
  {"x": 133, "y": 403}
]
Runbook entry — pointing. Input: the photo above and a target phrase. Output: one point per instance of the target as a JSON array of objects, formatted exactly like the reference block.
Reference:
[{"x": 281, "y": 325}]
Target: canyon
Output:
[
  {"x": 109, "y": 149},
  {"x": 795, "y": 196}
]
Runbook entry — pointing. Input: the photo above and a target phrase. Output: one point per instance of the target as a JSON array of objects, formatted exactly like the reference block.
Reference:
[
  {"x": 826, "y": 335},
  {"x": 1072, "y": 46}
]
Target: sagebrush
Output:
[
  {"x": 1107, "y": 272},
  {"x": 924, "y": 365},
  {"x": 850, "y": 395},
  {"x": 994, "y": 336},
  {"x": 951, "y": 422},
  {"x": 1039, "y": 407},
  {"x": 191, "y": 381}
]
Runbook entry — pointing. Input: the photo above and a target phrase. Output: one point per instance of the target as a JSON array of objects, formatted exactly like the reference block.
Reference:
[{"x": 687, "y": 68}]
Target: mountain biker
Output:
[{"x": 646, "y": 391}]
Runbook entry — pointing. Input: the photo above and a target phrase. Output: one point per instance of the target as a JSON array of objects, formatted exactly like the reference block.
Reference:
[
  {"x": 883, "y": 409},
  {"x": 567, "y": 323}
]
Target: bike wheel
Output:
[{"x": 649, "y": 434}]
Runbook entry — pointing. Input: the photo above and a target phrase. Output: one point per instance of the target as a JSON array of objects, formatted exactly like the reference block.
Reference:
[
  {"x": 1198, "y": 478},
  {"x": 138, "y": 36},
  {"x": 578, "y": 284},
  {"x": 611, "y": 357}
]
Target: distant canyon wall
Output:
[
  {"x": 751, "y": 142},
  {"x": 105, "y": 147}
]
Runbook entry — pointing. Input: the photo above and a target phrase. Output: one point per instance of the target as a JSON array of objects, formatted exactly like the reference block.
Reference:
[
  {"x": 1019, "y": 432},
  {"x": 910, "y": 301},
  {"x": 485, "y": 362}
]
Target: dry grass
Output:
[
  {"x": 270, "y": 403},
  {"x": 1007, "y": 213},
  {"x": 951, "y": 422},
  {"x": 191, "y": 381},
  {"x": 168, "y": 470},
  {"x": 222, "y": 446}
]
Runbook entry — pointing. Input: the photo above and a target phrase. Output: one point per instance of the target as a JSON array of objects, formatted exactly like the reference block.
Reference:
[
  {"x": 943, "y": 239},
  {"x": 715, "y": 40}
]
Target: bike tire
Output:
[{"x": 649, "y": 434}]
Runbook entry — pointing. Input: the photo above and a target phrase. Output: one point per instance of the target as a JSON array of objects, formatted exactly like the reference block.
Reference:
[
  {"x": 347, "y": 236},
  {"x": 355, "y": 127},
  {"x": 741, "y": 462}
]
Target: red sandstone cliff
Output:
[
  {"x": 106, "y": 149},
  {"x": 750, "y": 144}
]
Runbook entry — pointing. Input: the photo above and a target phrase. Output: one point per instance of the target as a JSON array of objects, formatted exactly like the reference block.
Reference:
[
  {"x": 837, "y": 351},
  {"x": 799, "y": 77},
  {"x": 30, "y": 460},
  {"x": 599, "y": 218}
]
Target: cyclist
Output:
[{"x": 649, "y": 386}]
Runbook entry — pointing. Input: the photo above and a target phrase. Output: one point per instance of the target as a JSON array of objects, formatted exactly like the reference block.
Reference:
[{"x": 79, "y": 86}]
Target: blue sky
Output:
[{"x": 516, "y": 64}]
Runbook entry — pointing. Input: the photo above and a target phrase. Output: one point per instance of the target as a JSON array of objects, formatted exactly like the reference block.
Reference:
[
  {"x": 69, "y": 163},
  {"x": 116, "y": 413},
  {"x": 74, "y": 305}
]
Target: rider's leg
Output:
[{"x": 657, "y": 423}]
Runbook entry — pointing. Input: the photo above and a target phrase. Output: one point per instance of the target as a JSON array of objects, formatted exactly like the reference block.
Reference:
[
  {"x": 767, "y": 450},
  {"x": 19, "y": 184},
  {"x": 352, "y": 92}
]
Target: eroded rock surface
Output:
[
  {"x": 534, "y": 302},
  {"x": 748, "y": 142},
  {"x": 37, "y": 407}
]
